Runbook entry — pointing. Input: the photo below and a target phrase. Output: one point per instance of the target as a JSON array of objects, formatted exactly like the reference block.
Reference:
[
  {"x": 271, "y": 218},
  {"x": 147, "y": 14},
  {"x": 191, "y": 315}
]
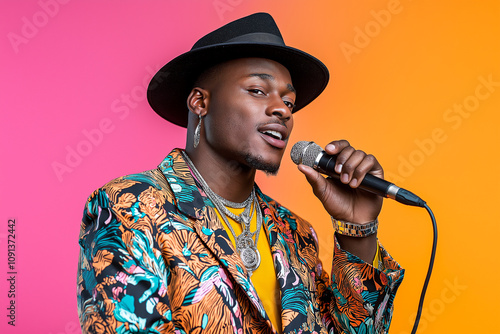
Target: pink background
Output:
[
  {"x": 72, "y": 76},
  {"x": 74, "y": 116}
]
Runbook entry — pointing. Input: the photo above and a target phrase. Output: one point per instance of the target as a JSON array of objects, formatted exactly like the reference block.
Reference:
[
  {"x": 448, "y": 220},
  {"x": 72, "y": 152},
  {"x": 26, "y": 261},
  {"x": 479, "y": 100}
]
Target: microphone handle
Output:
[{"x": 325, "y": 164}]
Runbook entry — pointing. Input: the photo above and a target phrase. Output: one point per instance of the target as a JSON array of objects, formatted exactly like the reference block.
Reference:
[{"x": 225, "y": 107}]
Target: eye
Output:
[
  {"x": 256, "y": 91},
  {"x": 289, "y": 105}
]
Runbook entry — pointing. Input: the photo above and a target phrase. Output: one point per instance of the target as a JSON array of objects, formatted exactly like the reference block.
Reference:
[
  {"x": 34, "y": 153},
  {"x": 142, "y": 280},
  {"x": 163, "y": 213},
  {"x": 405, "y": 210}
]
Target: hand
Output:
[{"x": 341, "y": 198}]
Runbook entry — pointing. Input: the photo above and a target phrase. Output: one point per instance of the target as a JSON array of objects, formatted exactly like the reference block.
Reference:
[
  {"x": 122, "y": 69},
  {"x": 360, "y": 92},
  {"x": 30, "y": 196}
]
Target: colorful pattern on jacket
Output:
[{"x": 155, "y": 259}]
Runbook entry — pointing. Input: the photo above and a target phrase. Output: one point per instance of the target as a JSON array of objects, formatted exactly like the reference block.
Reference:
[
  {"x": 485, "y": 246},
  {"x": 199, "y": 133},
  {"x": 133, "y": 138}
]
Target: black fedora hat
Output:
[{"x": 256, "y": 35}]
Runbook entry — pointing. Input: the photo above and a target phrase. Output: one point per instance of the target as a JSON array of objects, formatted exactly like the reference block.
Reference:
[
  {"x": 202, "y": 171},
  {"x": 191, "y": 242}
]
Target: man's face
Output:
[{"x": 249, "y": 112}]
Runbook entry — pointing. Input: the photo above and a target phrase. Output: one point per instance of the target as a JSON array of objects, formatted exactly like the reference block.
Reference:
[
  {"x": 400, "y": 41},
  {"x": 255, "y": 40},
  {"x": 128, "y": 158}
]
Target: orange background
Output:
[{"x": 389, "y": 96}]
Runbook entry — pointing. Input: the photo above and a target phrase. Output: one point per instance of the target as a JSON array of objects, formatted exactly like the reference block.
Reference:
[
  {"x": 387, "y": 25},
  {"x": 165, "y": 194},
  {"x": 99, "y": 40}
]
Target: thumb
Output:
[{"x": 316, "y": 180}]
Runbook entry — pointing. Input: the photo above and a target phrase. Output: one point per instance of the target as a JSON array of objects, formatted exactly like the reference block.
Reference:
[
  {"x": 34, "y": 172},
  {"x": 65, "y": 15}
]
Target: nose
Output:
[{"x": 279, "y": 109}]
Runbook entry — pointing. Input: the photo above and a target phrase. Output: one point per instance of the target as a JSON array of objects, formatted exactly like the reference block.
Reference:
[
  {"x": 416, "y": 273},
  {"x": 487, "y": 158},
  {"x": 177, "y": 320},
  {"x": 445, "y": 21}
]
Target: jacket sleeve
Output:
[
  {"x": 122, "y": 277},
  {"x": 358, "y": 298}
]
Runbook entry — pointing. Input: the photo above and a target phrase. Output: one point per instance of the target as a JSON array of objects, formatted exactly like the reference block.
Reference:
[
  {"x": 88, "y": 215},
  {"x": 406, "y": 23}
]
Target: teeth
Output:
[{"x": 273, "y": 133}]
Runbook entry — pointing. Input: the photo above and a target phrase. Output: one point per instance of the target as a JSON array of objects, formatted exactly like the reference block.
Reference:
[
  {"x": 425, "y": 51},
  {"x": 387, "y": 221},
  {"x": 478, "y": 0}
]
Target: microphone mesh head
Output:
[{"x": 305, "y": 153}]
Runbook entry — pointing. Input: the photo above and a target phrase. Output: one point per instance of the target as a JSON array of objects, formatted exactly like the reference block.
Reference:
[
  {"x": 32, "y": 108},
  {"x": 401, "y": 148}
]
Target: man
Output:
[{"x": 177, "y": 248}]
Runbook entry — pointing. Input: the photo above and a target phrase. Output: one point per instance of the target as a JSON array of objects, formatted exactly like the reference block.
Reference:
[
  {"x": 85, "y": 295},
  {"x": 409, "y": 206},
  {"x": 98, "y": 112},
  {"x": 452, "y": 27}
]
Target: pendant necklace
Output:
[{"x": 245, "y": 245}]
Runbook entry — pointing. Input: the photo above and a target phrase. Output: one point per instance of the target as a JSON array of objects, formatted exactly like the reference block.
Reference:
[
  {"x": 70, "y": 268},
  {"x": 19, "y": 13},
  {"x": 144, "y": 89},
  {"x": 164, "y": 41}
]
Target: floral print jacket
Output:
[{"x": 155, "y": 259}]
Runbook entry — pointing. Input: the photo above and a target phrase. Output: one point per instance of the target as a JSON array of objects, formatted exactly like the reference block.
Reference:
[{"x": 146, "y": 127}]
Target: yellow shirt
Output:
[{"x": 264, "y": 277}]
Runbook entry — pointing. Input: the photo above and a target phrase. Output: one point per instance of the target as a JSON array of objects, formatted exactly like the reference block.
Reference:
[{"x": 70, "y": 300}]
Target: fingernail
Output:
[
  {"x": 354, "y": 183},
  {"x": 345, "y": 178},
  {"x": 338, "y": 168},
  {"x": 330, "y": 147},
  {"x": 302, "y": 167}
]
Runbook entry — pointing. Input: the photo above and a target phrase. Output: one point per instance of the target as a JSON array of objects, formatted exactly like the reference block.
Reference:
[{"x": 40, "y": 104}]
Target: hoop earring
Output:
[{"x": 197, "y": 133}]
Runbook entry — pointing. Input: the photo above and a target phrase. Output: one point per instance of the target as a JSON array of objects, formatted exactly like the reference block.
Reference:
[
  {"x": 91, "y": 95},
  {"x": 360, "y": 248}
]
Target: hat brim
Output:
[{"x": 169, "y": 88}]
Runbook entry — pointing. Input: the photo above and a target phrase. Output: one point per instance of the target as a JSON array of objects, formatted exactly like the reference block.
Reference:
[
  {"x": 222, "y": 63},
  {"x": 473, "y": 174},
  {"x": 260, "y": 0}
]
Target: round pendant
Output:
[{"x": 250, "y": 257}]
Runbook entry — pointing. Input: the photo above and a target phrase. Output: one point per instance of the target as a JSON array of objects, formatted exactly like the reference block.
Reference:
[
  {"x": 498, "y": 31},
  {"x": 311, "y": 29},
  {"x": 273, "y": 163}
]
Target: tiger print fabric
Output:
[{"x": 154, "y": 258}]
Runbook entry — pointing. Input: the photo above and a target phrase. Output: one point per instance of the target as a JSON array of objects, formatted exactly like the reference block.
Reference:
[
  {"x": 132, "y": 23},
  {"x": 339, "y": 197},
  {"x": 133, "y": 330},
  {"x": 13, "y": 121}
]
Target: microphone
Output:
[{"x": 312, "y": 155}]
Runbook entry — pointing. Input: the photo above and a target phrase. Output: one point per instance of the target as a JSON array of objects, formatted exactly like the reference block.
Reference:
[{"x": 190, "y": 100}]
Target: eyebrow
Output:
[{"x": 265, "y": 76}]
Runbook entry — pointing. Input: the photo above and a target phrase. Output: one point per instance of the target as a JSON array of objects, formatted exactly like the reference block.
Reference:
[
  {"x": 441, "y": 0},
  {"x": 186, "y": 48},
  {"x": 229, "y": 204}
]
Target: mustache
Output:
[{"x": 275, "y": 121}]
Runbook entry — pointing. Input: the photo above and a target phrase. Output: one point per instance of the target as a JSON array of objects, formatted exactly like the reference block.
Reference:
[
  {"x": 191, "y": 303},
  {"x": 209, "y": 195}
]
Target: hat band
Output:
[{"x": 258, "y": 37}]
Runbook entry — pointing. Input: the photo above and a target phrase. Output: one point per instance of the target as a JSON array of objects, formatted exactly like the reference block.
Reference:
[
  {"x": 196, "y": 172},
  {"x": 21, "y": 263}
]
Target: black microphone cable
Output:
[{"x": 429, "y": 270}]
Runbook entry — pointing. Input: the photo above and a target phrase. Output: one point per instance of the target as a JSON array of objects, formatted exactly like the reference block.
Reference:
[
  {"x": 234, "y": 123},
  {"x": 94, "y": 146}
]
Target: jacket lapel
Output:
[
  {"x": 190, "y": 199},
  {"x": 295, "y": 299}
]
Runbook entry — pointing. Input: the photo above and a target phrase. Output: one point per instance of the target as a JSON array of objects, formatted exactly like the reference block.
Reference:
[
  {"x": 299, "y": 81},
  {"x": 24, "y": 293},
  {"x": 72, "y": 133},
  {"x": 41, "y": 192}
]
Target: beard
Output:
[{"x": 258, "y": 163}]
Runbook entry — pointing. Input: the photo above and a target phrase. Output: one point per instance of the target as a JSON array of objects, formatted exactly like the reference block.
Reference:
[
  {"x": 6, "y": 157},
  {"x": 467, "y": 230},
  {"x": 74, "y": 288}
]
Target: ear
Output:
[{"x": 197, "y": 101}]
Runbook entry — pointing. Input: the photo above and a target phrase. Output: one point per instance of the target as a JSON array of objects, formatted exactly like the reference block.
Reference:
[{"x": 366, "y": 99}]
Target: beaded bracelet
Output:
[{"x": 355, "y": 230}]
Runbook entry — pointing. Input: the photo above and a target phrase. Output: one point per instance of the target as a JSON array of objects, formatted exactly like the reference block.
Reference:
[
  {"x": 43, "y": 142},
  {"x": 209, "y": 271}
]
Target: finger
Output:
[
  {"x": 316, "y": 180},
  {"x": 342, "y": 158},
  {"x": 336, "y": 146},
  {"x": 370, "y": 165},
  {"x": 350, "y": 165}
]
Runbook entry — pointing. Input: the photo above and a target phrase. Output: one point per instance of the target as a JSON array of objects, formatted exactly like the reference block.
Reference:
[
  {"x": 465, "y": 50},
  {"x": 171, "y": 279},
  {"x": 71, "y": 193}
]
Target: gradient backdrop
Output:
[{"x": 416, "y": 83}]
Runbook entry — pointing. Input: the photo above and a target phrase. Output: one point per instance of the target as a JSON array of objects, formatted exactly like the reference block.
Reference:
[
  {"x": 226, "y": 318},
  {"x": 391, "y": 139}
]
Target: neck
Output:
[{"x": 228, "y": 179}]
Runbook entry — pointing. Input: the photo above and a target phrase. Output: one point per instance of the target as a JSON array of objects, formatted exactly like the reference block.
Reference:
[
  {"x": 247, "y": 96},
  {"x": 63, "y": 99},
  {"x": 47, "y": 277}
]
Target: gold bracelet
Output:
[{"x": 355, "y": 230}]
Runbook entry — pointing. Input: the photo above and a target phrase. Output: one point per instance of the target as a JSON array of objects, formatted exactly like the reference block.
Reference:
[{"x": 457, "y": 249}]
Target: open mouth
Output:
[{"x": 273, "y": 134}]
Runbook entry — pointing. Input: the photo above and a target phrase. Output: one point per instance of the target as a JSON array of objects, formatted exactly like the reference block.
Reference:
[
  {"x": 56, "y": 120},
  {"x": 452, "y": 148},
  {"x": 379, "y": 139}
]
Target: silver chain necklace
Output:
[{"x": 245, "y": 246}]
